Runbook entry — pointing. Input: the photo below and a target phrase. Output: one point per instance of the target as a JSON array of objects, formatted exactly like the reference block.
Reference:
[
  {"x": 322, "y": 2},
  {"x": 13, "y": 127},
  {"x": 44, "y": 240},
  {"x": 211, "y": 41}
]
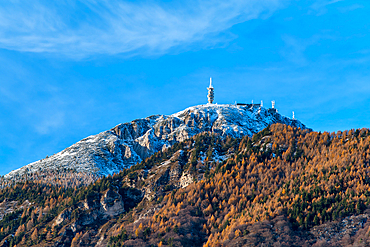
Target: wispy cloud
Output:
[
  {"x": 89, "y": 27},
  {"x": 295, "y": 48},
  {"x": 320, "y": 6}
]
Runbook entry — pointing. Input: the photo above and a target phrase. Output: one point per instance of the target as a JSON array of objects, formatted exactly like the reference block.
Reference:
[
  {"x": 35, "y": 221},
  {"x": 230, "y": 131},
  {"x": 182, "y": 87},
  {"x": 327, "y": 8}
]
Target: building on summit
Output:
[
  {"x": 211, "y": 96},
  {"x": 210, "y": 92}
]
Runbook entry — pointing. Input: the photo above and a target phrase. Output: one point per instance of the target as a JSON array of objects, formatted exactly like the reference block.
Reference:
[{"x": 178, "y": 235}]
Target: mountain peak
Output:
[{"x": 128, "y": 143}]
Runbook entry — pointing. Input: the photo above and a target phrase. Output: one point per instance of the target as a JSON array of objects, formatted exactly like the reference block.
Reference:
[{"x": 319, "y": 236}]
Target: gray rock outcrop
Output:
[{"x": 129, "y": 143}]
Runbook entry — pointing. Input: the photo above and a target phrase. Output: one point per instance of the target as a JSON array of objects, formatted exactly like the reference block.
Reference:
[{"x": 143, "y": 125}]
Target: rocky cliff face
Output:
[{"x": 129, "y": 143}]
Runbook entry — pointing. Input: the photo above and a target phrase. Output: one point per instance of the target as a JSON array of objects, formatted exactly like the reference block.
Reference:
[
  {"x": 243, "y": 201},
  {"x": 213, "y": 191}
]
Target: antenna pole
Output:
[{"x": 211, "y": 94}]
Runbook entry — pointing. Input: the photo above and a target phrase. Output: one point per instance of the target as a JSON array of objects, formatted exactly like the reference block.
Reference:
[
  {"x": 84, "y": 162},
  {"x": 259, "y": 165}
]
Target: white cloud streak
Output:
[
  {"x": 88, "y": 27},
  {"x": 320, "y": 6}
]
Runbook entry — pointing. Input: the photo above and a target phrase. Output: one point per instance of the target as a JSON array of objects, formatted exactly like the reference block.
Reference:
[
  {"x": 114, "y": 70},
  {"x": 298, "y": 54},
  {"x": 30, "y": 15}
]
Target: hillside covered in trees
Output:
[{"x": 283, "y": 187}]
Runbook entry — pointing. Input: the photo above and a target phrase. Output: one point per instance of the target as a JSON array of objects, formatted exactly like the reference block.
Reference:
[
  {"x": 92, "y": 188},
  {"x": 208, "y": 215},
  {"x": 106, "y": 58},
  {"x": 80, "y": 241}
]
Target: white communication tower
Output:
[
  {"x": 273, "y": 104},
  {"x": 211, "y": 94},
  {"x": 293, "y": 115},
  {"x": 261, "y": 103}
]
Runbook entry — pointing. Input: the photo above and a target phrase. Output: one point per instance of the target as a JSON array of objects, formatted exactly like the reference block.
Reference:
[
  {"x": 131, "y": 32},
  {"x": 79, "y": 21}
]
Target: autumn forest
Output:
[{"x": 274, "y": 187}]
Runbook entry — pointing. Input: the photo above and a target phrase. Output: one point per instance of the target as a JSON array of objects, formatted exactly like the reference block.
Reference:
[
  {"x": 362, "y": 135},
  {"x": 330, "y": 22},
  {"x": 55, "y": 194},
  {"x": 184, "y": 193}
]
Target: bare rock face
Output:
[
  {"x": 89, "y": 213},
  {"x": 111, "y": 203},
  {"x": 129, "y": 143},
  {"x": 166, "y": 176},
  {"x": 339, "y": 231},
  {"x": 62, "y": 217},
  {"x": 7, "y": 207},
  {"x": 186, "y": 179}
]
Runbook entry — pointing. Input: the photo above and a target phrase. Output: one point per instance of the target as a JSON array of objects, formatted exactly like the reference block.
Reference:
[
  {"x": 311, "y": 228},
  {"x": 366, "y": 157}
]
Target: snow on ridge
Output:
[{"x": 126, "y": 144}]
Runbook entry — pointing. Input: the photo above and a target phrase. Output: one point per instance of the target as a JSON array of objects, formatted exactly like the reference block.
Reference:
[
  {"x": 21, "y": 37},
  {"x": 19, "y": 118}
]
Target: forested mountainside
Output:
[
  {"x": 284, "y": 186},
  {"x": 129, "y": 143}
]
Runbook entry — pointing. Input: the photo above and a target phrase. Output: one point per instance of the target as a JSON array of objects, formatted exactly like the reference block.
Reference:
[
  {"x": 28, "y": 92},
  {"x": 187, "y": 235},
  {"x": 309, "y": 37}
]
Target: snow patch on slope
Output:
[{"x": 126, "y": 144}]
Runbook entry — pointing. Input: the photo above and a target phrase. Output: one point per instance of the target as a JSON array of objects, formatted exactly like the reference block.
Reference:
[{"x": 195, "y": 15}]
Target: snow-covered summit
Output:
[{"x": 128, "y": 143}]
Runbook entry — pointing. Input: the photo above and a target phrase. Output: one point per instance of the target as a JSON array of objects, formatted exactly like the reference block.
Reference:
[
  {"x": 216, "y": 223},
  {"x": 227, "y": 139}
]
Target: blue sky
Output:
[{"x": 70, "y": 69}]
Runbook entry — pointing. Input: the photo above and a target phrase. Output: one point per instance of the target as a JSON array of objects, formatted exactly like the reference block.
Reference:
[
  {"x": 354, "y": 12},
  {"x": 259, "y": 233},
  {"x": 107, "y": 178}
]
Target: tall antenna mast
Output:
[
  {"x": 293, "y": 115},
  {"x": 261, "y": 103},
  {"x": 273, "y": 104},
  {"x": 211, "y": 94}
]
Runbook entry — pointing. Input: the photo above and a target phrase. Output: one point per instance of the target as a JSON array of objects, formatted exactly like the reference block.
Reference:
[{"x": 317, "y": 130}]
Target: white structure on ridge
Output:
[
  {"x": 293, "y": 116},
  {"x": 273, "y": 104},
  {"x": 210, "y": 92},
  {"x": 261, "y": 103}
]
